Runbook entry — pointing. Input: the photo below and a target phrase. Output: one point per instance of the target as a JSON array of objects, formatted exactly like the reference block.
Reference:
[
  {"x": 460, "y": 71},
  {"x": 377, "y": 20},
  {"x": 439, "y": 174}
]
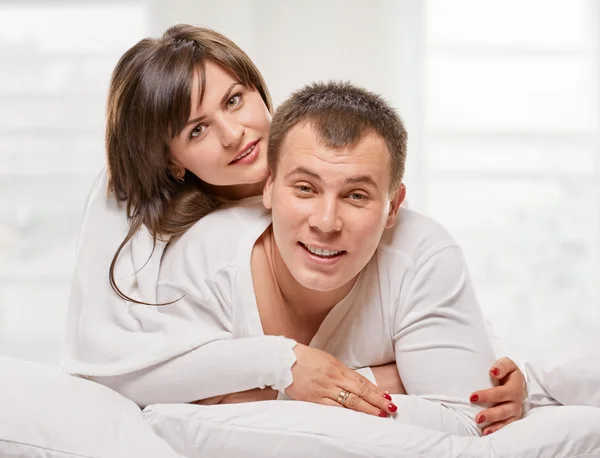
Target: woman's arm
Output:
[{"x": 213, "y": 369}]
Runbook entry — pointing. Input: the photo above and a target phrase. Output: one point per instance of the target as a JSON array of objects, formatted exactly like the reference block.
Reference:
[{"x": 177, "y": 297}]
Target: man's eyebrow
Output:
[
  {"x": 361, "y": 179},
  {"x": 304, "y": 171},
  {"x": 364, "y": 179},
  {"x": 223, "y": 100}
]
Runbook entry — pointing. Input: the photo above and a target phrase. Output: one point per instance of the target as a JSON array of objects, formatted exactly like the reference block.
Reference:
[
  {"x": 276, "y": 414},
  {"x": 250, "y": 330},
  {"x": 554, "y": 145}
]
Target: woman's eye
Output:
[
  {"x": 197, "y": 131},
  {"x": 233, "y": 101}
]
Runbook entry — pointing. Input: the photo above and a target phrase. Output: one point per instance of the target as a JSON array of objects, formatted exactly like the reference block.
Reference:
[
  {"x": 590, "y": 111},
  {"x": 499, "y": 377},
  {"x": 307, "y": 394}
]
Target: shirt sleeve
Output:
[
  {"x": 216, "y": 368},
  {"x": 442, "y": 347}
]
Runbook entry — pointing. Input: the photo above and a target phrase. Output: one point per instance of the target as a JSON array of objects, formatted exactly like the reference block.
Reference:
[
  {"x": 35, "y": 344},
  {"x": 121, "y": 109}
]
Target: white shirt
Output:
[
  {"x": 412, "y": 303},
  {"x": 144, "y": 352},
  {"x": 203, "y": 346}
]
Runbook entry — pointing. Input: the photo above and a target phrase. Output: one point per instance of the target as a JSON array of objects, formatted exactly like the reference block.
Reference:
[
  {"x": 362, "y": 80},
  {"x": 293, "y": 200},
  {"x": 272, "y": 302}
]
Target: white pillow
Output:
[
  {"x": 289, "y": 429},
  {"x": 45, "y": 413},
  {"x": 294, "y": 429},
  {"x": 556, "y": 432},
  {"x": 571, "y": 379}
]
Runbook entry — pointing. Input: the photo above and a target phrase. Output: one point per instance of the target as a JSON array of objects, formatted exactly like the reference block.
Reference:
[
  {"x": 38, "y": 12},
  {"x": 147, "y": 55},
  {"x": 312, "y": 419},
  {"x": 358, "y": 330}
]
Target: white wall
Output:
[
  {"x": 501, "y": 101},
  {"x": 375, "y": 43}
]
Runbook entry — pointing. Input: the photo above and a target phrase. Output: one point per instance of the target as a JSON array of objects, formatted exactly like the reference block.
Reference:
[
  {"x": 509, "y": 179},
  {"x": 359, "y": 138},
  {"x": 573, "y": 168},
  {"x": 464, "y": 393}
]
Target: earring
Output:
[{"x": 180, "y": 176}]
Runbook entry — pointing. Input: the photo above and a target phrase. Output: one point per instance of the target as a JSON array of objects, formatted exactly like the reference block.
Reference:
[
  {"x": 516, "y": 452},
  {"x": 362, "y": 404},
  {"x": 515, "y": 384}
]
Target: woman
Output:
[{"x": 187, "y": 125}]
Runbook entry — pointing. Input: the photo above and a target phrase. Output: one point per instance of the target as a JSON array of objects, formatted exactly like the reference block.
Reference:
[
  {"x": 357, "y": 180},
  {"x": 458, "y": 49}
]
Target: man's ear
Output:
[
  {"x": 397, "y": 199},
  {"x": 268, "y": 192}
]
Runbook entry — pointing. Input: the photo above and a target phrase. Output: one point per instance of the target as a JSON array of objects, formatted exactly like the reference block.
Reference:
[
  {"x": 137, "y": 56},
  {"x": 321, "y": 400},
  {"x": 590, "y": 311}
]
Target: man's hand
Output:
[
  {"x": 507, "y": 398},
  {"x": 254, "y": 395},
  {"x": 388, "y": 378}
]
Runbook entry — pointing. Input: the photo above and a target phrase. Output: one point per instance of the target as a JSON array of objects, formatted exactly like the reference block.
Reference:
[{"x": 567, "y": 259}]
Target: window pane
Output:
[
  {"x": 570, "y": 157},
  {"x": 39, "y": 223},
  {"x": 511, "y": 93},
  {"x": 70, "y": 27},
  {"x": 533, "y": 252},
  {"x": 531, "y": 23},
  {"x": 57, "y": 59},
  {"x": 33, "y": 317}
]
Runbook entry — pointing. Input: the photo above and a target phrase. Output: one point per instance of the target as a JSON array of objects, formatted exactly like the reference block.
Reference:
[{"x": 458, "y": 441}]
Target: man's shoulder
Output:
[{"x": 414, "y": 238}]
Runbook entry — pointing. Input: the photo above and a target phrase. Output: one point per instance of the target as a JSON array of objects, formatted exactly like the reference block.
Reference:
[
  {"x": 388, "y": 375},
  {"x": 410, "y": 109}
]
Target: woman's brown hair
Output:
[{"x": 148, "y": 105}]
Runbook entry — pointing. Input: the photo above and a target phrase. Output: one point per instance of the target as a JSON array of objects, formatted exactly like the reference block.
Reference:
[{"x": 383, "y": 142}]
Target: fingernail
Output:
[
  {"x": 387, "y": 396},
  {"x": 489, "y": 431},
  {"x": 392, "y": 407},
  {"x": 382, "y": 414},
  {"x": 474, "y": 398},
  {"x": 495, "y": 371},
  {"x": 481, "y": 420}
]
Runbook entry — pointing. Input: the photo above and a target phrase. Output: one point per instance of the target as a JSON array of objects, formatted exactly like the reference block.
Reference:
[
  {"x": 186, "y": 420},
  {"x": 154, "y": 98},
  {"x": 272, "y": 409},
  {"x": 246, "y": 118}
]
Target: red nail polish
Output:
[
  {"x": 387, "y": 396},
  {"x": 382, "y": 414},
  {"x": 474, "y": 398},
  {"x": 392, "y": 407},
  {"x": 481, "y": 420},
  {"x": 495, "y": 372},
  {"x": 489, "y": 431}
]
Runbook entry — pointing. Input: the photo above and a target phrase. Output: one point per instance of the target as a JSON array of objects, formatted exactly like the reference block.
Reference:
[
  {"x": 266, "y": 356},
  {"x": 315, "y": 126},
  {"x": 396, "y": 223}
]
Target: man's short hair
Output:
[{"x": 341, "y": 114}]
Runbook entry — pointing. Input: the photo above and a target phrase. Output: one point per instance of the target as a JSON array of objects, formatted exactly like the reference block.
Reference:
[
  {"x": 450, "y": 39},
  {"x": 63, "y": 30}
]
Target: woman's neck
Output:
[{"x": 239, "y": 191}]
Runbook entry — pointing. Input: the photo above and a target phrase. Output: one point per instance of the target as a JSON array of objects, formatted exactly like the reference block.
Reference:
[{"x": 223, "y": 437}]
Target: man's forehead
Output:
[
  {"x": 304, "y": 138},
  {"x": 366, "y": 161}
]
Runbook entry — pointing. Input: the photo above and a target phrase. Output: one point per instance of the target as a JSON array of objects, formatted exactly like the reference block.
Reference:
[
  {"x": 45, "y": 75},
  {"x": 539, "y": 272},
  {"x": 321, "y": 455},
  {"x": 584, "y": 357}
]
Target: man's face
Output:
[{"x": 330, "y": 206}]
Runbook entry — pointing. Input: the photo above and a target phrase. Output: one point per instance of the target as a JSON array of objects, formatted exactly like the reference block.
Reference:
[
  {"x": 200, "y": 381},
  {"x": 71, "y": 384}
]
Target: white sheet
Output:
[
  {"x": 572, "y": 378},
  {"x": 293, "y": 429},
  {"x": 47, "y": 414}
]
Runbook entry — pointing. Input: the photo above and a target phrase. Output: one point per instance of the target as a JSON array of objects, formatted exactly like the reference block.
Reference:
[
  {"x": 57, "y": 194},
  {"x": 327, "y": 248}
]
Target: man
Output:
[{"x": 337, "y": 263}]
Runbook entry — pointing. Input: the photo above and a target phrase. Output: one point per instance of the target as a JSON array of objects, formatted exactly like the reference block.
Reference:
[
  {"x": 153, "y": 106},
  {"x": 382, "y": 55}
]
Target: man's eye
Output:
[
  {"x": 304, "y": 189},
  {"x": 357, "y": 196}
]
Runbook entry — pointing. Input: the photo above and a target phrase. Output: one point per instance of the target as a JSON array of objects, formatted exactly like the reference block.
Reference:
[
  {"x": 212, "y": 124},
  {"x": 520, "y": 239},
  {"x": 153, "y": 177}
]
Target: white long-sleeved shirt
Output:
[
  {"x": 137, "y": 349},
  {"x": 180, "y": 354},
  {"x": 412, "y": 303}
]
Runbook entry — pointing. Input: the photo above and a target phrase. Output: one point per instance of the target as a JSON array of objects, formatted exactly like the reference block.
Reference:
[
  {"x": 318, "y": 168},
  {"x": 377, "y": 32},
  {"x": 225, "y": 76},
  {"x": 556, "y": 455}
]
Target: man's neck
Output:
[{"x": 309, "y": 306}]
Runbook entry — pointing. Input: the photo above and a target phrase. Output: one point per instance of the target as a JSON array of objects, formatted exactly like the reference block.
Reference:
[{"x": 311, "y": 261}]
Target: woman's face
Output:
[{"x": 225, "y": 141}]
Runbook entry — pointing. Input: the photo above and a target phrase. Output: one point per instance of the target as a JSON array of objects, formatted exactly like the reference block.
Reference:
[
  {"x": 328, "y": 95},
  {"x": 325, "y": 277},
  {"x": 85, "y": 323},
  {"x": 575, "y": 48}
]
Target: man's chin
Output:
[{"x": 315, "y": 282}]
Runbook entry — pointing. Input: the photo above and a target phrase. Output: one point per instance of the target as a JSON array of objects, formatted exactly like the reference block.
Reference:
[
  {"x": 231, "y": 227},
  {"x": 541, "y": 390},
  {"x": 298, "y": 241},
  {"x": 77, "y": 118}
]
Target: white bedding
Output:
[
  {"x": 48, "y": 414},
  {"x": 293, "y": 429}
]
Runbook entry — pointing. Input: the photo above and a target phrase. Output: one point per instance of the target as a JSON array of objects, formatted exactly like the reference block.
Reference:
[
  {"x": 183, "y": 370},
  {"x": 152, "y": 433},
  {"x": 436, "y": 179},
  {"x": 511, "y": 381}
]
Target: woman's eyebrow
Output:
[
  {"x": 195, "y": 120},
  {"x": 228, "y": 92},
  {"x": 223, "y": 100}
]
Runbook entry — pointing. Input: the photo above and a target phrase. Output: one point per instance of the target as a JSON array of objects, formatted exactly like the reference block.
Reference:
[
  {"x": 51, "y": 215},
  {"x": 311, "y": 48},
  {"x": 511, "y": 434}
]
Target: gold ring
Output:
[{"x": 342, "y": 397}]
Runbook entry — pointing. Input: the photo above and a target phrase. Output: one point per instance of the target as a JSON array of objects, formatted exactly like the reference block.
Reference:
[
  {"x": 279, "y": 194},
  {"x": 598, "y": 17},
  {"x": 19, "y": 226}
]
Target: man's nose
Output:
[{"x": 325, "y": 215}]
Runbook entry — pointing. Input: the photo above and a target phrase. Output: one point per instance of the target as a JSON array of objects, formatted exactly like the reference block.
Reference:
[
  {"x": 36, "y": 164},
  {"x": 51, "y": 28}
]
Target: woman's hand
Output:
[
  {"x": 323, "y": 379},
  {"x": 507, "y": 398}
]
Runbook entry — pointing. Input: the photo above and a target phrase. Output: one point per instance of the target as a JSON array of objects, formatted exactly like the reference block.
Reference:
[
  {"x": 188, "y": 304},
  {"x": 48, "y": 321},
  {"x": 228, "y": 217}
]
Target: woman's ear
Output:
[
  {"x": 176, "y": 170},
  {"x": 397, "y": 199}
]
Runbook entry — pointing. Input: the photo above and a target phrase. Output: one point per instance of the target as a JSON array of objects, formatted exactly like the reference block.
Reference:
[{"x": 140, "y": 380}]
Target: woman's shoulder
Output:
[{"x": 221, "y": 237}]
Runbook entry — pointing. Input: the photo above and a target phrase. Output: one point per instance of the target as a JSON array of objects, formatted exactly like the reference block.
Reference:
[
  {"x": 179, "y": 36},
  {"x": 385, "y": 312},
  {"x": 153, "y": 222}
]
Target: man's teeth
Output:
[
  {"x": 245, "y": 153},
  {"x": 321, "y": 252}
]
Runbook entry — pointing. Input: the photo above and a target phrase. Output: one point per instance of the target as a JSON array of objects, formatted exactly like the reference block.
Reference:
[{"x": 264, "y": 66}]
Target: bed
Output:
[{"x": 49, "y": 414}]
